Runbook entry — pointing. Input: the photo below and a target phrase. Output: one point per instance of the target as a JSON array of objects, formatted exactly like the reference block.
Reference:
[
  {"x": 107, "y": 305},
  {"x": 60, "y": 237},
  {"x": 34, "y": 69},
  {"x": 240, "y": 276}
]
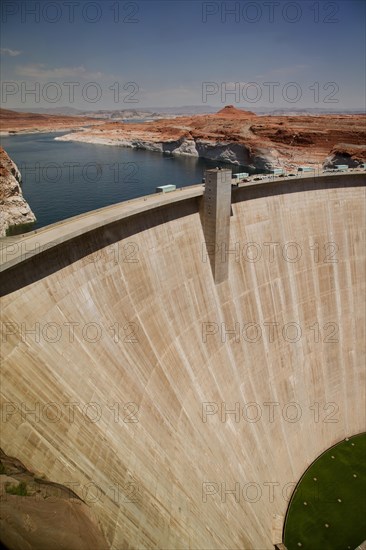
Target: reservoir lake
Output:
[{"x": 63, "y": 179}]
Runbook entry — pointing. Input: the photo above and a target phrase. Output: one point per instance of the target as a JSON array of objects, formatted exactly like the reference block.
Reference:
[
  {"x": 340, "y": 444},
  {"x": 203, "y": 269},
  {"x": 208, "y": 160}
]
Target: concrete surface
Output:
[
  {"x": 216, "y": 222},
  {"x": 115, "y": 335}
]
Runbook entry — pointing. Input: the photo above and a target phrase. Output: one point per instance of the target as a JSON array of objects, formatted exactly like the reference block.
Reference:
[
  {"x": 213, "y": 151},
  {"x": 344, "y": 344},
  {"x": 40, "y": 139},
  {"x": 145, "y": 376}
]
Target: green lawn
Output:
[{"x": 328, "y": 508}]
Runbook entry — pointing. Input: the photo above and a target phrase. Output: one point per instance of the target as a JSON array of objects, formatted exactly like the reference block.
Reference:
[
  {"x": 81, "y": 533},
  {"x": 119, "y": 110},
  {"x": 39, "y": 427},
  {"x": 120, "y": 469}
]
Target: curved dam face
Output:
[{"x": 183, "y": 411}]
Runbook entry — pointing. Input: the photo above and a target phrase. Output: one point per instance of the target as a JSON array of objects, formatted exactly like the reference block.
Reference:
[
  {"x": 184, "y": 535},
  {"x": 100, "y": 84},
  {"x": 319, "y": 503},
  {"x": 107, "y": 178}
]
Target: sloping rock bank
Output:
[
  {"x": 344, "y": 153},
  {"x": 13, "y": 122},
  {"x": 16, "y": 215},
  {"x": 36, "y": 514},
  {"x": 261, "y": 158}
]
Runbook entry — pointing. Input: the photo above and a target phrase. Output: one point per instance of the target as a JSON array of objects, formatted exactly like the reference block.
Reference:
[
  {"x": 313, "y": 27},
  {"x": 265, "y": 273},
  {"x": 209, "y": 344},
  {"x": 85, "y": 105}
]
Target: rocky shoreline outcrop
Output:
[
  {"x": 39, "y": 514},
  {"x": 345, "y": 153},
  {"x": 16, "y": 215},
  {"x": 259, "y": 158}
]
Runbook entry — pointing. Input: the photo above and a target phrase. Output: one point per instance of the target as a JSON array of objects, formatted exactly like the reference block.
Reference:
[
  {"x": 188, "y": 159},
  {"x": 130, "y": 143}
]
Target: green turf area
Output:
[{"x": 328, "y": 508}]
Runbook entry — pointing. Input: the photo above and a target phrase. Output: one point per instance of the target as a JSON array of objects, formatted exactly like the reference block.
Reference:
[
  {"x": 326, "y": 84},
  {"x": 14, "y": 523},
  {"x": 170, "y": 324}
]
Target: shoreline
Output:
[
  {"x": 222, "y": 151},
  {"x": 150, "y": 146},
  {"x": 230, "y": 152},
  {"x": 186, "y": 148},
  {"x": 99, "y": 122},
  {"x": 7, "y": 133}
]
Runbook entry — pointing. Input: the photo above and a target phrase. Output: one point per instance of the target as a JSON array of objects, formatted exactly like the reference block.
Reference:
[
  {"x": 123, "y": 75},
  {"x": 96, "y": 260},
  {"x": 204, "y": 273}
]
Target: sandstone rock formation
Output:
[
  {"x": 232, "y": 112},
  {"x": 15, "y": 211},
  {"x": 13, "y": 122},
  {"x": 344, "y": 153},
  {"x": 43, "y": 515},
  {"x": 237, "y": 137}
]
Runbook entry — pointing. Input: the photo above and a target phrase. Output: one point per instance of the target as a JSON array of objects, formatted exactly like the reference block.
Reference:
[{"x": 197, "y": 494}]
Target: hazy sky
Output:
[{"x": 120, "y": 55}]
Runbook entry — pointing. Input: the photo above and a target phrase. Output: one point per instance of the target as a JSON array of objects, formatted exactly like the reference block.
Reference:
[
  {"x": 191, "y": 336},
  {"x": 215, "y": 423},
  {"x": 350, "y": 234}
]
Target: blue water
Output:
[{"x": 63, "y": 179}]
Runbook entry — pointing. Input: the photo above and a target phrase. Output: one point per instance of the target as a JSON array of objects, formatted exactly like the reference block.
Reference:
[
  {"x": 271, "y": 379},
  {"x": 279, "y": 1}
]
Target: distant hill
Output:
[
  {"x": 14, "y": 121},
  {"x": 308, "y": 111},
  {"x": 185, "y": 110},
  {"x": 121, "y": 114},
  {"x": 71, "y": 111},
  {"x": 232, "y": 112},
  {"x": 65, "y": 111}
]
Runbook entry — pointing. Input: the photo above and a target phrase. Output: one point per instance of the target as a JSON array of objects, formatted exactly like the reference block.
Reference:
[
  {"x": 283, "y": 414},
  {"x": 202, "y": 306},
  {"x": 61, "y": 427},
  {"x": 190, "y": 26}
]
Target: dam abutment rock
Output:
[{"x": 15, "y": 213}]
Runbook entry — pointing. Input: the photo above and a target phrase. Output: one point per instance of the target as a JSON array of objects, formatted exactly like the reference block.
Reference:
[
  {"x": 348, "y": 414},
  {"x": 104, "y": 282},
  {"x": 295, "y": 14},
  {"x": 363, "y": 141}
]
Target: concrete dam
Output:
[{"x": 180, "y": 365}]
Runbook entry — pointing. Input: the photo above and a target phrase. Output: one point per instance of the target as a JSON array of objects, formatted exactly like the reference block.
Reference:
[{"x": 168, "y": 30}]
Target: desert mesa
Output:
[{"x": 231, "y": 135}]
